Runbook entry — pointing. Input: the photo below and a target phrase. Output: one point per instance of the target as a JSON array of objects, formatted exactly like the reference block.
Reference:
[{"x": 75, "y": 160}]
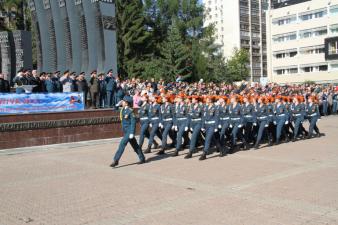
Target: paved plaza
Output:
[{"x": 72, "y": 184}]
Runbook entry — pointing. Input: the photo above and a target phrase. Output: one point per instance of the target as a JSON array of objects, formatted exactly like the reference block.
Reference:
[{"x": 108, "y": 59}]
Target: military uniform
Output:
[
  {"x": 249, "y": 119},
  {"x": 223, "y": 125},
  {"x": 181, "y": 122},
  {"x": 281, "y": 118},
  {"x": 128, "y": 126},
  {"x": 297, "y": 113},
  {"x": 312, "y": 113},
  {"x": 262, "y": 114},
  {"x": 236, "y": 122},
  {"x": 154, "y": 116},
  {"x": 195, "y": 125},
  {"x": 210, "y": 126},
  {"x": 144, "y": 122},
  {"x": 166, "y": 121}
]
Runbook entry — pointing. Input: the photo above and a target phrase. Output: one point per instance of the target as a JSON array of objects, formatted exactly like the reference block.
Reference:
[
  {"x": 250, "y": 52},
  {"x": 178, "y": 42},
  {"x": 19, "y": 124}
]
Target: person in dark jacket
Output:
[
  {"x": 94, "y": 89},
  {"x": 111, "y": 89},
  {"x": 82, "y": 86},
  {"x": 4, "y": 85},
  {"x": 49, "y": 84},
  {"x": 102, "y": 91}
]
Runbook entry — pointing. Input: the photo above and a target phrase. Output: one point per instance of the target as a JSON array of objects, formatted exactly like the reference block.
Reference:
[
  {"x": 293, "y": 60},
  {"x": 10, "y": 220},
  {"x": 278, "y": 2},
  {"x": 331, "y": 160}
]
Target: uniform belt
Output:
[
  {"x": 196, "y": 119},
  {"x": 235, "y": 118},
  {"x": 225, "y": 118},
  {"x": 248, "y": 116},
  {"x": 169, "y": 119},
  {"x": 144, "y": 118},
  {"x": 298, "y": 114},
  {"x": 262, "y": 117},
  {"x": 209, "y": 122},
  {"x": 281, "y": 114},
  {"x": 154, "y": 118},
  {"x": 181, "y": 118},
  {"x": 313, "y": 114}
]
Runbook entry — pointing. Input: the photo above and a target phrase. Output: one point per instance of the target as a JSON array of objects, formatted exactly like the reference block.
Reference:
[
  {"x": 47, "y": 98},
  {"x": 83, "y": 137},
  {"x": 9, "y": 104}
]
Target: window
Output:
[
  {"x": 313, "y": 15},
  {"x": 284, "y": 37},
  {"x": 286, "y": 54},
  {"x": 320, "y": 31},
  {"x": 282, "y": 71},
  {"x": 284, "y": 21},
  {"x": 333, "y": 48},
  {"x": 334, "y": 67},
  {"x": 334, "y": 29},
  {"x": 314, "y": 68},
  {"x": 334, "y": 10},
  {"x": 312, "y": 50}
]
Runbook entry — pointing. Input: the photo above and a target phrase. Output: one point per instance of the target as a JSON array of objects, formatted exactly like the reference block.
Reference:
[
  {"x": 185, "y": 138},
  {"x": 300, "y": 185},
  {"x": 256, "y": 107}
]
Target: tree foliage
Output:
[{"x": 237, "y": 65}]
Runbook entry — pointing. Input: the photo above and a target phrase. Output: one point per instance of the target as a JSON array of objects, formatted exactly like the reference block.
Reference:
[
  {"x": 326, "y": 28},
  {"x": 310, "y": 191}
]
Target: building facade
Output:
[
  {"x": 240, "y": 24},
  {"x": 79, "y": 35},
  {"x": 303, "y": 41}
]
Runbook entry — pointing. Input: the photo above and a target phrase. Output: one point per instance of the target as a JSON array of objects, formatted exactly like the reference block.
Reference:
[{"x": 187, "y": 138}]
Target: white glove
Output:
[
  {"x": 173, "y": 127},
  {"x": 131, "y": 136},
  {"x": 191, "y": 129},
  {"x": 186, "y": 129},
  {"x": 150, "y": 125},
  {"x": 266, "y": 125},
  {"x": 202, "y": 129},
  {"x": 255, "y": 124},
  {"x": 176, "y": 129},
  {"x": 239, "y": 126},
  {"x": 274, "y": 122},
  {"x": 286, "y": 122},
  {"x": 160, "y": 125},
  {"x": 215, "y": 130},
  {"x": 230, "y": 125},
  {"x": 219, "y": 126}
]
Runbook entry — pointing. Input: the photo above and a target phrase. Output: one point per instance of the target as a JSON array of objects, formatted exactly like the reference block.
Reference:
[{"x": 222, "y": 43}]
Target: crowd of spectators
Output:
[{"x": 106, "y": 90}]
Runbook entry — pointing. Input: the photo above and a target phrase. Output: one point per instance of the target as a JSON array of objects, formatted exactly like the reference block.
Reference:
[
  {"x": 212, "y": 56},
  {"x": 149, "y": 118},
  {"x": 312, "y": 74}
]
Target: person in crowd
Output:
[
  {"x": 4, "y": 84},
  {"x": 102, "y": 91},
  {"x": 82, "y": 86},
  {"x": 94, "y": 89}
]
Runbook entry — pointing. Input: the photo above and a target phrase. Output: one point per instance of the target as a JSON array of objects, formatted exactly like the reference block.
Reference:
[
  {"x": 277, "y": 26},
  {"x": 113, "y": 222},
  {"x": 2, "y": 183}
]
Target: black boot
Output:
[
  {"x": 203, "y": 156},
  {"x": 256, "y": 146},
  {"x": 189, "y": 155},
  {"x": 142, "y": 161},
  {"x": 114, "y": 163},
  {"x": 148, "y": 150},
  {"x": 223, "y": 153},
  {"x": 161, "y": 152},
  {"x": 293, "y": 139},
  {"x": 175, "y": 153}
]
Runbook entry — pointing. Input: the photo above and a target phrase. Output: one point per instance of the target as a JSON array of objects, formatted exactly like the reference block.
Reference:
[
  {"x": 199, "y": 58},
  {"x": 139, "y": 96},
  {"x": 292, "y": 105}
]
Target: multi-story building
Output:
[
  {"x": 79, "y": 35},
  {"x": 240, "y": 24},
  {"x": 303, "y": 41}
]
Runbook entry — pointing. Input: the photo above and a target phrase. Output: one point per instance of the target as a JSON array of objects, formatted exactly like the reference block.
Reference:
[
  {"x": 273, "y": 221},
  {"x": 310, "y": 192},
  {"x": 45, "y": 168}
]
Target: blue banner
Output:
[{"x": 36, "y": 103}]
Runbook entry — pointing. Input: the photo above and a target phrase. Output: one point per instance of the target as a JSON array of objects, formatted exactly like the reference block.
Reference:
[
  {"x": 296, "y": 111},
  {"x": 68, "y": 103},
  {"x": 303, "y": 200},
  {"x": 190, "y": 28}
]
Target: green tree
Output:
[
  {"x": 237, "y": 65},
  {"x": 133, "y": 37},
  {"x": 175, "y": 56}
]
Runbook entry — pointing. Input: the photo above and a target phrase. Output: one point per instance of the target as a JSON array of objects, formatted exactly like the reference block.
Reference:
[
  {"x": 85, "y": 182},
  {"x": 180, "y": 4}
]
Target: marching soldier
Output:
[
  {"x": 181, "y": 122},
  {"x": 297, "y": 116},
  {"x": 236, "y": 122},
  {"x": 223, "y": 123},
  {"x": 249, "y": 118},
  {"x": 262, "y": 113},
  {"x": 154, "y": 117},
  {"x": 128, "y": 127},
  {"x": 281, "y": 118},
  {"x": 166, "y": 122},
  {"x": 312, "y": 113},
  {"x": 195, "y": 124},
  {"x": 210, "y": 126}
]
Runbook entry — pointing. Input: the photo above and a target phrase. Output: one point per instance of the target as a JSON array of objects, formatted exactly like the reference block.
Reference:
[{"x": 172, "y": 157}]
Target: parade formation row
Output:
[{"x": 227, "y": 123}]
